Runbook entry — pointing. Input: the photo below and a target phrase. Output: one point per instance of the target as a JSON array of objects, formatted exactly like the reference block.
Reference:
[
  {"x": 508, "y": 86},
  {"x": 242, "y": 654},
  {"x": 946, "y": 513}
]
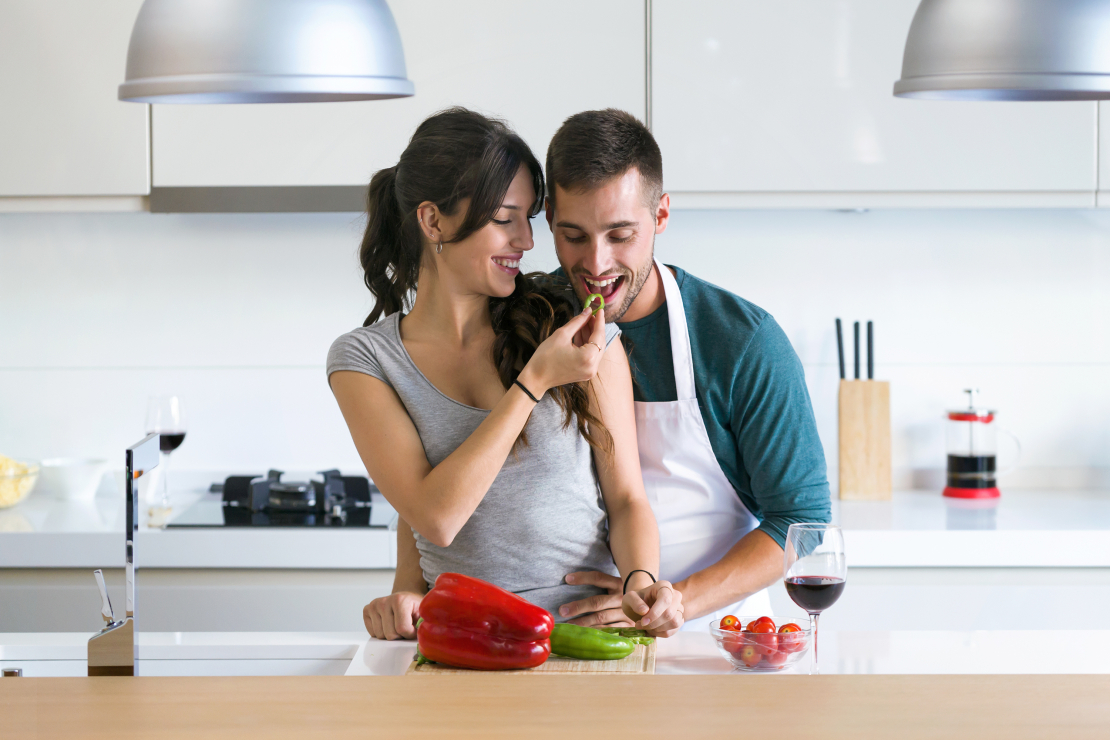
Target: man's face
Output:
[{"x": 605, "y": 239}]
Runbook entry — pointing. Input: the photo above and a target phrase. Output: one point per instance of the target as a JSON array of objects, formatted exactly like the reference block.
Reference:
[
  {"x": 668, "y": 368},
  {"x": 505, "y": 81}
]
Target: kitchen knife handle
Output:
[
  {"x": 870, "y": 351},
  {"x": 856, "y": 327},
  {"x": 840, "y": 347}
]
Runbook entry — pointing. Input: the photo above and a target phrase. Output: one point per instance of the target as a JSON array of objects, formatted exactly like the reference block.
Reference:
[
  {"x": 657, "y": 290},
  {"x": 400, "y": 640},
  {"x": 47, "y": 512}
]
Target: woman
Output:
[{"x": 476, "y": 413}]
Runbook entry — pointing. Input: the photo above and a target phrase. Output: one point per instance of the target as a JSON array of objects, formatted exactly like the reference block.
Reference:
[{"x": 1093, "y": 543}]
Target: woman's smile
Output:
[{"x": 508, "y": 263}]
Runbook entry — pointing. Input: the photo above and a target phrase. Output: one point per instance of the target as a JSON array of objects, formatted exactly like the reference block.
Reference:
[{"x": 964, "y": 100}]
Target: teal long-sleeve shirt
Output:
[{"x": 753, "y": 398}]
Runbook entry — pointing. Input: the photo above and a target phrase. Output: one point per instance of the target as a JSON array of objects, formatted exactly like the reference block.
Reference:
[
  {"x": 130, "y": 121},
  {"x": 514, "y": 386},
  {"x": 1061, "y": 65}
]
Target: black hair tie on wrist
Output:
[
  {"x": 629, "y": 578},
  {"x": 529, "y": 394}
]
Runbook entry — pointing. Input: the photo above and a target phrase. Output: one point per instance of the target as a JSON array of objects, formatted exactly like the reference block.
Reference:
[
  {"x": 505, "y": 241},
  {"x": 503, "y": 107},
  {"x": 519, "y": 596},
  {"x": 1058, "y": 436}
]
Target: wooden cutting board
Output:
[{"x": 642, "y": 660}]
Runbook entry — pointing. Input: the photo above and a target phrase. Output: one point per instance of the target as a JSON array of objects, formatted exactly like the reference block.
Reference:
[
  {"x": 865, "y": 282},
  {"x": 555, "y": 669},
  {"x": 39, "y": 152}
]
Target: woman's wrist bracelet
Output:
[
  {"x": 526, "y": 392},
  {"x": 629, "y": 578}
]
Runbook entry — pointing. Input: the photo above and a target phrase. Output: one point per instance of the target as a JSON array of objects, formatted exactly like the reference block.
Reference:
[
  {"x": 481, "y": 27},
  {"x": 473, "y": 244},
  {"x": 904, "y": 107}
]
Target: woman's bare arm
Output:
[
  {"x": 409, "y": 576},
  {"x": 393, "y": 617},
  {"x": 633, "y": 532},
  {"x": 438, "y": 501}
]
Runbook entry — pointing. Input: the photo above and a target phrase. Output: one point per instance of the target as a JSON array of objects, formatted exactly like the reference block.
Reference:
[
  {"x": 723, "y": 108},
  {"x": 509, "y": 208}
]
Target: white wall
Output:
[{"x": 236, "y": 312}]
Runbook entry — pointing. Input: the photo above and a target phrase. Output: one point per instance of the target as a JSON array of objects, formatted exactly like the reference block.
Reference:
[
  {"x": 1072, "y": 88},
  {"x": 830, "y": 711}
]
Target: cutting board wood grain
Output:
[{"x": 642, "y": 660}]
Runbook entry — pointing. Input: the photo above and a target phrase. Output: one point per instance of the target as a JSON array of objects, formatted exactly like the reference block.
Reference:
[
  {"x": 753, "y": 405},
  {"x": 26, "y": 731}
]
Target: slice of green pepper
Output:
[
  {"x": 590, "y": 299},
  {"x": 586, "y": 643}
]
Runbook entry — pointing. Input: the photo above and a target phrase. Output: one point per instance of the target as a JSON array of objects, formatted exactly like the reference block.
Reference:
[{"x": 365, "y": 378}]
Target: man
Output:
[{"x": 728, "y": 442}]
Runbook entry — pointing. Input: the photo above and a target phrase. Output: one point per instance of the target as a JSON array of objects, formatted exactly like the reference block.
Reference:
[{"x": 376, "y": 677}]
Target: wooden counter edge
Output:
[{"x": 493, "y": 706}]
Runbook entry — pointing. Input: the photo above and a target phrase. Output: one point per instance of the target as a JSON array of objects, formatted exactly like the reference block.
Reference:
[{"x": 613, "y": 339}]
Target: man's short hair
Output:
[{"x": 595, "y": 146}]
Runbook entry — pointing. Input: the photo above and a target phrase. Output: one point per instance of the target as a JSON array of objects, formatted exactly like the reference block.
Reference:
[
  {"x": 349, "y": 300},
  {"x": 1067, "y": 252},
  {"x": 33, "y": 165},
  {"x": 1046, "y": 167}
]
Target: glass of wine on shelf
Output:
[
  {"x": 164, "y": 418},
  {"x": 814, "y": 570}
]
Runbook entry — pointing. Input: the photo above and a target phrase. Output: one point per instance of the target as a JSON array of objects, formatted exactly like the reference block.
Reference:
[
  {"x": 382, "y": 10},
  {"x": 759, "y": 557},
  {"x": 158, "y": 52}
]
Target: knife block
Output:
[{"x": 865, "y": 473}]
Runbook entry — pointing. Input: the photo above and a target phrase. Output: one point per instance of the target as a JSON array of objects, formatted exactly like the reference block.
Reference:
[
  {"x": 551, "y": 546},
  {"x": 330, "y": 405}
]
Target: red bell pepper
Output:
[{"x": 469, "y": 623}]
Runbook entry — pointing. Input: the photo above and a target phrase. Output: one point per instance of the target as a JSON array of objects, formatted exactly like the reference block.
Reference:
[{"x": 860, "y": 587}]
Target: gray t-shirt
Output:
[{"x": 542, "y": 517}]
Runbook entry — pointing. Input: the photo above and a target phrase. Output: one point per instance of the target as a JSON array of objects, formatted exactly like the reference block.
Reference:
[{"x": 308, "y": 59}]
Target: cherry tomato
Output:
[
  {"x": 730, "y": 623},
  {"x": 776, "y": 658},
  {"x": 766, "y": 620},
  {"x": 763, "y": 628},
  {"x": 791, "y": 638},
  {"x": 765, "y": 638},
  {"x": 750, "y": 655}
]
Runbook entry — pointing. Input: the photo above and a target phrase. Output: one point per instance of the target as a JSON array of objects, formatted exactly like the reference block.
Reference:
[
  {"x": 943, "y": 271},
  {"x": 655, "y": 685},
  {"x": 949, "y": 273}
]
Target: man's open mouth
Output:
[{"x": 606, "y": 286}]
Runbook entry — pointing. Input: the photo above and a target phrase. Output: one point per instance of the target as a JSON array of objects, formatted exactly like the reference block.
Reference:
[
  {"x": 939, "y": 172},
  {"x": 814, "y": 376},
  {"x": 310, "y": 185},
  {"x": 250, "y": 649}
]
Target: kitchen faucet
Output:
[{"x": 112, "y": 650}]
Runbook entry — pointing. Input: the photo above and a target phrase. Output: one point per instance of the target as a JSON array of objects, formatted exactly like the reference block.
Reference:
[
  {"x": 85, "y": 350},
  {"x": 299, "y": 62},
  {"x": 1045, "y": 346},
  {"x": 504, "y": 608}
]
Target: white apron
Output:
[{"x": 699, "y": 514}]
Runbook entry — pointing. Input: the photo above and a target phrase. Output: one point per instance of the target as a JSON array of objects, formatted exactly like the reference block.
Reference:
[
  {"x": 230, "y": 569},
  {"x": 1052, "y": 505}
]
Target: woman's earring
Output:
[{"x": 439, "y": 247}]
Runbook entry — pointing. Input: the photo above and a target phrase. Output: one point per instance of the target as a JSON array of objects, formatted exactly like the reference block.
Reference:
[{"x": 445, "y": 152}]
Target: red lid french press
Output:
[{"x": 972, "y": 451}]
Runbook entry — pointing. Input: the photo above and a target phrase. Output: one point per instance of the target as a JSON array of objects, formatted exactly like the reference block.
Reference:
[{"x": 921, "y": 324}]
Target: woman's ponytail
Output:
[{"x": 390, "y": 263}]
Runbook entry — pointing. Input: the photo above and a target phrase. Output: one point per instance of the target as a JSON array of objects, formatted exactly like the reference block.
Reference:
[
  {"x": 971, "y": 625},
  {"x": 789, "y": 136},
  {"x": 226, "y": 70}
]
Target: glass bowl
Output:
[
  {"x": 17, "y": 478},
  {"x": 763, "y": 653}
]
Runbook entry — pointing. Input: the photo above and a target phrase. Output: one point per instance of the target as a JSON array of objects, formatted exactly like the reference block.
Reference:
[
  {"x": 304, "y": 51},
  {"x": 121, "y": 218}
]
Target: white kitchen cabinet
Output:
[
  {"x": 1104, "y": 155},
  {"x": 63, "y": 132},
  {"x": 757, "y": 102},
  {"x": 528, "y": 62}
]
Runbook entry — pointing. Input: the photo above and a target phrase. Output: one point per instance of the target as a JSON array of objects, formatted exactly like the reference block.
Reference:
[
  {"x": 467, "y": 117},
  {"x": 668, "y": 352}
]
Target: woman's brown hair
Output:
[{"x": 458, "y": 155}]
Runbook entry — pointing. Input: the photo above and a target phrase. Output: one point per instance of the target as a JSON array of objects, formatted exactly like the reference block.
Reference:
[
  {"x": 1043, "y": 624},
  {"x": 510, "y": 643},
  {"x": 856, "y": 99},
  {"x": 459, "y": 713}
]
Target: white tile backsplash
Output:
[{"x": 235, "y": 313}]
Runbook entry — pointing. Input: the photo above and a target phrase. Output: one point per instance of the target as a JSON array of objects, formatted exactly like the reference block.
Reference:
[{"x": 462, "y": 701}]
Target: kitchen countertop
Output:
[
  {"x": 1025, "y": 528},
  {"x": 547, "y": 706},
  {"x": 894, "y": 652},
  {"x": 190, "y": 653},
  {"x": 879, "y": 652},
  {"x": 191, "y": 685},
  {"x": 44, "y": 532}
]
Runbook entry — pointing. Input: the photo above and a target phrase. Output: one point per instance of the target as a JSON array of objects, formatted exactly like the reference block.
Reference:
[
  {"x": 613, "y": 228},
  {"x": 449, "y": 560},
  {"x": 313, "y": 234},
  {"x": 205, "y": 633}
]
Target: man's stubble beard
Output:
[{"x": 639, "y": 279}]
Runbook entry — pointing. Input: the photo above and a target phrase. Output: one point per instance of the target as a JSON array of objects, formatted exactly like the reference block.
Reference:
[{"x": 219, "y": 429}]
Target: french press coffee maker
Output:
[{"x": 972, "y": 451}]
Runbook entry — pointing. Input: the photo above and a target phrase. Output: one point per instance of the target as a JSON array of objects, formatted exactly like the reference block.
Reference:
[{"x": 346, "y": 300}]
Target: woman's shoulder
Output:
[
  {"x": 365, "y": 349},
  {"x": 612, "y": 331}
]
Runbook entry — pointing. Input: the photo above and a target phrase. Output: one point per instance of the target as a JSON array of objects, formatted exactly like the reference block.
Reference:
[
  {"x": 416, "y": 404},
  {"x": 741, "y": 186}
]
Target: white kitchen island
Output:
[
  {"x": 55, "y": 654},
  {"x": 849, "y": 653},
  {"x": 687, "y": 653}
]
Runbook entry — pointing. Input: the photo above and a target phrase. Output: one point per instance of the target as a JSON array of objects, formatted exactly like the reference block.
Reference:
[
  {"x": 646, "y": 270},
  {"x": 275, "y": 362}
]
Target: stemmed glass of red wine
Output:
[
  {"x": 164, "y": 418},
  {"x": 814, "y": 569}
]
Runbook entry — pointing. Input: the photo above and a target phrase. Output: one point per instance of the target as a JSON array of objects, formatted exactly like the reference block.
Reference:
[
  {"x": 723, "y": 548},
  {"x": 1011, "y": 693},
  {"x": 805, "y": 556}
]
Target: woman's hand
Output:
[
  {"x": 570, "y": 355},
  {"x": 392, "y": 617},
  {"x": 657, "y": 609}
]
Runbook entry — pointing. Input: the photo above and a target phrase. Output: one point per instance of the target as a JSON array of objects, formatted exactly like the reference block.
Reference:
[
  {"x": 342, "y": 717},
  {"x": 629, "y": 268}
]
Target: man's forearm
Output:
[
  {"x": 752, "y": 564},
  {"x": 409, "y": 575}
]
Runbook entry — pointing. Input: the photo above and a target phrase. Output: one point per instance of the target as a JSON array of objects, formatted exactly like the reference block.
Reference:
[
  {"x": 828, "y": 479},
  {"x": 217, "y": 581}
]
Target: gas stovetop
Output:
[{"x": 268, "y": 501}]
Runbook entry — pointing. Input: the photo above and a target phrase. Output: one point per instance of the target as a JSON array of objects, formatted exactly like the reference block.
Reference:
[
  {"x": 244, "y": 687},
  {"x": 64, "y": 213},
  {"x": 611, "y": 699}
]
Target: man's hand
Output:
[
  {"x": 392, "y": 617},
  {"x": 657, "y": 608},
  {"x": 603, "y": 610}
]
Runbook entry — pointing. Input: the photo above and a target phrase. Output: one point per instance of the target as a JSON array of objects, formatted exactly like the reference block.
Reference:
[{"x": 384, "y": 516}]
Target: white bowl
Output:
[{"x": 71, "y": 478}]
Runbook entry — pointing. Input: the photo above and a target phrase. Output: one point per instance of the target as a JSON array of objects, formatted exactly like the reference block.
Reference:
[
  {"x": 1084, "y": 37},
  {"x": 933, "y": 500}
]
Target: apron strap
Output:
[{"x": 680, "y": 336}]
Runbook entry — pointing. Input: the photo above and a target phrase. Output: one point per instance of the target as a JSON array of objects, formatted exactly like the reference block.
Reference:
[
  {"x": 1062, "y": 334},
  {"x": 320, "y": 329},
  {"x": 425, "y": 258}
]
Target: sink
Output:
[{"x": 60, "y": 654}]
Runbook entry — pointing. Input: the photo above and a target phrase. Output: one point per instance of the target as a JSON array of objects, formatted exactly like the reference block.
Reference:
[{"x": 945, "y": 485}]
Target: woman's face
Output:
[{"x": 488, "y": 261}]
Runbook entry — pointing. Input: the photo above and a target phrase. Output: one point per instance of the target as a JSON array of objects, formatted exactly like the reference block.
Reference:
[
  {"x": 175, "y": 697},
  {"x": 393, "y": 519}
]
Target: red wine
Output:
[
  {"x": 170, "y": 441},
  {"x": 814, "y": 593}
]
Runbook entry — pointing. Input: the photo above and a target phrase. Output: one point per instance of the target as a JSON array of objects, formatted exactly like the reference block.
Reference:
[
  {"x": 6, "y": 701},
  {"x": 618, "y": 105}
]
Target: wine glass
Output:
[
  {"x": 164, "y": 418},
  {"x": 814, "y": 569}
]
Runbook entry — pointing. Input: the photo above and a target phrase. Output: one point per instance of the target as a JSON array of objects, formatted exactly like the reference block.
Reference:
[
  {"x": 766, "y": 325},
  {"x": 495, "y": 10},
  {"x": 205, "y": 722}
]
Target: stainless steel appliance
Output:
[{"x": 333, "y": 500}]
